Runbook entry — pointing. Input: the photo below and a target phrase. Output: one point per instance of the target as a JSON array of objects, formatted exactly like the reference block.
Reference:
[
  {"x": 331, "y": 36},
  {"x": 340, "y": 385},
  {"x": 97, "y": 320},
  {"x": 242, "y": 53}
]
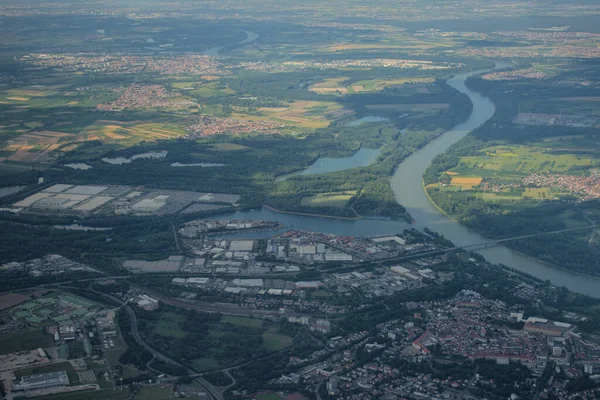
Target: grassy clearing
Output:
[
  {"x": 274, "y": 341},
  {"x": 28, "y": 340},
  {"x": 498, "y": 196},
  {"x": 303, "y": 114},
  {"x": 338, "y": 200},
  {"x": 330, "y": 86},
  {"x": 113, "y": 356},
  {"x": 227, "y": 147},
  {"x": 88, "y": 395},
  {"x": 520, "y": 160},
  {"x": 169, "y": 326},
  {"x": 536, "y": 193},
  {"x": 153, "y": 393},
  {"x": 205, "y": 364},
  {"x": 243, "y": 321}
]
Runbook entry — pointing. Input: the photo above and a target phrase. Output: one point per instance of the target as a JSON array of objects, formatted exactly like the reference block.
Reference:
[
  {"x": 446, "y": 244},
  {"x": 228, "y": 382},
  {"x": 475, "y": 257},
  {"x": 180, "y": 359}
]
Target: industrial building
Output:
[
  {"x": 546, "y": 327},
  {"x": 335, "y": 256},
  {"x": 405, "y": 272},
  {"x": 41, "y": 381}
]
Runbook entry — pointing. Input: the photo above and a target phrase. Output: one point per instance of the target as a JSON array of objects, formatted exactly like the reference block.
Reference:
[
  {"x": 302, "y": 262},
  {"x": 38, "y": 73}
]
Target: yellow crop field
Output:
[
  {"x": 131, "y": 131},
  {"x": 304, "y": 114},
  {"x": 332, "y": 85},
  {"x": 466, "y": 183}
]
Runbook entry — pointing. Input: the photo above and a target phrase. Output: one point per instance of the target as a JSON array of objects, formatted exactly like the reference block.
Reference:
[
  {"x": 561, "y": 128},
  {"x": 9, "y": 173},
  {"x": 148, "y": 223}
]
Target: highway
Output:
[
  {"x": 214, "y": 392},
  {"x": 474, "y": 246}
]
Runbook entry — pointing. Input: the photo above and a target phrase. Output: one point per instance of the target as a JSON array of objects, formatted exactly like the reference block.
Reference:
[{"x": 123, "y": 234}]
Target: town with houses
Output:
[
  {"x": 450, "y": 348},
  {"x": 587, "y": 186}
]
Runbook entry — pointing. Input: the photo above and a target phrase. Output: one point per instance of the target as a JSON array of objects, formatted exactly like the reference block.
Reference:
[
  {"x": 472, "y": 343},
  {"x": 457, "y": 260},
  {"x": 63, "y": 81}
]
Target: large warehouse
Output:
[{"x": 42, "y": 381}]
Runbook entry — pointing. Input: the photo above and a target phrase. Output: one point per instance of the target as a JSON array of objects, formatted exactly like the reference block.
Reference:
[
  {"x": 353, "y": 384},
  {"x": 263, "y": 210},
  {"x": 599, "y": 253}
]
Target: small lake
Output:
[
  {"x": 153, "y": 155},
  {"x": 367, "y": 120},
  {"x": 324, "y": 165},
  {"x": 202, "y": 165}
]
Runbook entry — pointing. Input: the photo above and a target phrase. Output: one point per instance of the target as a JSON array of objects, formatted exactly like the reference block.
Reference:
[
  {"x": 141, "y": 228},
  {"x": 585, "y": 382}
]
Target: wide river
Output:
[{"x": 408, "y": 188}]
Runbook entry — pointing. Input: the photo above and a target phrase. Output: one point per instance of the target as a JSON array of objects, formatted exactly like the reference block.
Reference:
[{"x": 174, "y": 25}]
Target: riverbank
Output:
[
  {"x": 481, "y": 234},
  {"x": 407, "y": 184},
  {"x": 310, "y": 214}
]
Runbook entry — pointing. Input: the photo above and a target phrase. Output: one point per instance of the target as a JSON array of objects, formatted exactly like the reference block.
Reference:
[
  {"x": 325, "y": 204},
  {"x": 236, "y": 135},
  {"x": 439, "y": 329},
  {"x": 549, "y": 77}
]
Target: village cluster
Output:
[
  {"x": 208, "y": 126},
  {"x": 196, "y": 65},
  {"x": 287, "y": 66},
  {"x": 147, "y": 96}
]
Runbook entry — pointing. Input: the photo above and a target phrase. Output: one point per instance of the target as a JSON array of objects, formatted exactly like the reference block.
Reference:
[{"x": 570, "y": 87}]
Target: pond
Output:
[{"x": 324, "y": 165}]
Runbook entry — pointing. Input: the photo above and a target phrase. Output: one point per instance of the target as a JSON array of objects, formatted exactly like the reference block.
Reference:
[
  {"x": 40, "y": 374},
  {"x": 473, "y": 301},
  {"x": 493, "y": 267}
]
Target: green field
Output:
[
  {"x": 328, "y": 200},
  {"x": 25, "y": 340},
  {"x": 169, "y": 326},
  {"x": 275, "y": 341},
  {"x": 205, "y": 364},
  {"x": 153, "y": 393},
  {"x": 267, "y": 396},
  {"x": 517, "y": 161},
  {"x": 88, "y": 395},
  {"x": 243, "y": 321}
]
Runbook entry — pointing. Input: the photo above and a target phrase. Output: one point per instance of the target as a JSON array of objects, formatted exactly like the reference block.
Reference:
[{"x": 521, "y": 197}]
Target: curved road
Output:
[{"x": 214, "y": 392}]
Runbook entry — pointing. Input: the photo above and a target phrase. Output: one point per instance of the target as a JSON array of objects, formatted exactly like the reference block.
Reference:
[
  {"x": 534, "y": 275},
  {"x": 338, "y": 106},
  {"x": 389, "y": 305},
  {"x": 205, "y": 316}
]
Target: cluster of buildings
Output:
[
  {"x": 310, "y": 247},
  {"x": 512, "y": 75},
  {"x": 381, "y": 282},
  {"x": 41, "y": 381},
  {"x": 315, "y": 324},
  {"x": 224, "y": 249},
  {"x": 334, "y": 347},
  {"x": 573, "y": 121},
  {"x": 147, "y": 96},
  {"x": 290, "y": 66},
  {"x": 145, "y": 302},
  {"x": 208, "y": 126},
  {"x": 550, "y": 51},
  {"x": 296, "y": 303},
  {"x": 195, "y": 228},
  {"x": 126, "y": 64},
  {"x": 557, "y": 36},
  {"x": 51, "y": 264},
  {"x": 467, "y": 325},
  {"x": 586, "y": 186},
  {"x": 74, "y": 330}
]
